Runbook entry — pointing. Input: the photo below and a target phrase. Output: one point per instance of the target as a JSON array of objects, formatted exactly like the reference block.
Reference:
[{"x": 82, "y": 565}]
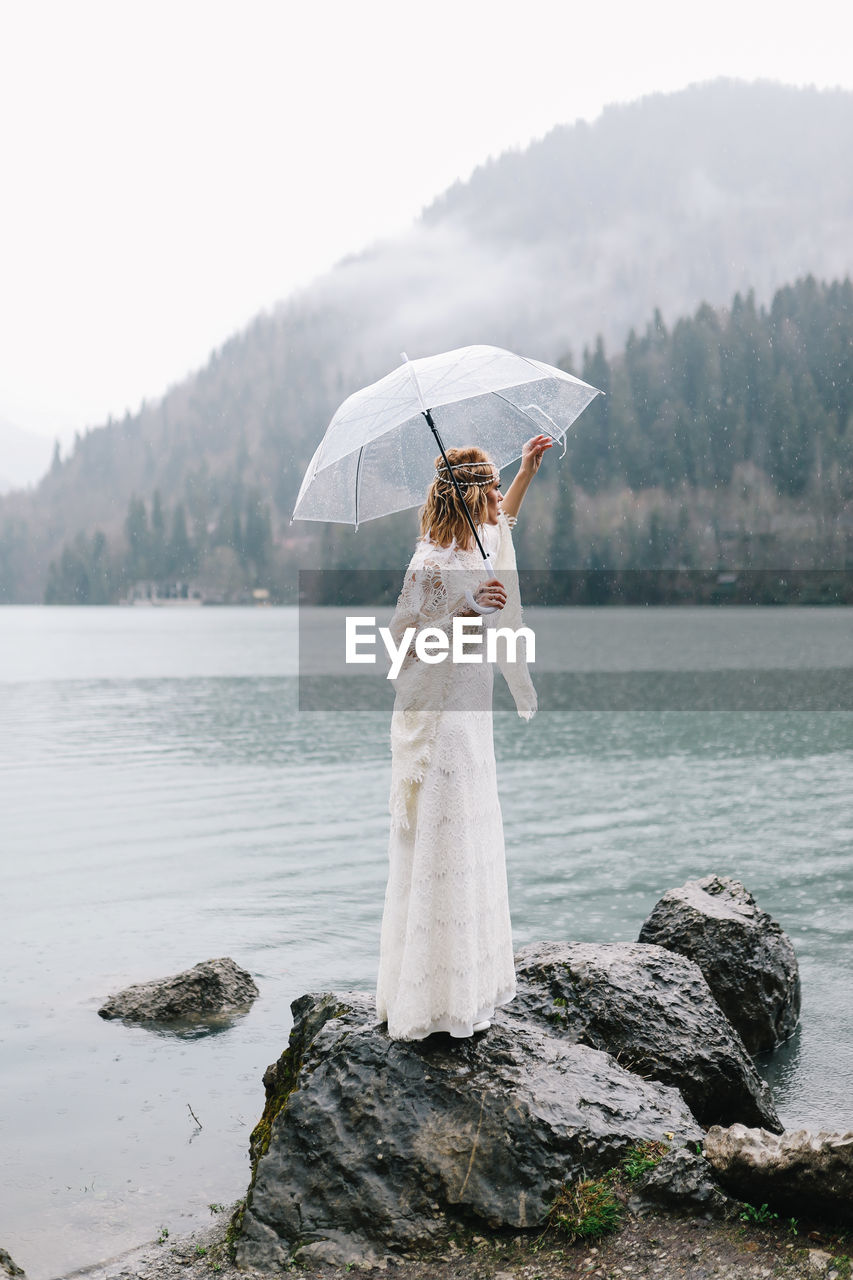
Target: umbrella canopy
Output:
[{"x": 378, "y": 453}]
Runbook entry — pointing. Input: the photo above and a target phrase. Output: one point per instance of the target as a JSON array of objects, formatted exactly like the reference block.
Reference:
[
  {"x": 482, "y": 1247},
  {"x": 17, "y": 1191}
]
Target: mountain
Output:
[{"x": 665, "y": 203}]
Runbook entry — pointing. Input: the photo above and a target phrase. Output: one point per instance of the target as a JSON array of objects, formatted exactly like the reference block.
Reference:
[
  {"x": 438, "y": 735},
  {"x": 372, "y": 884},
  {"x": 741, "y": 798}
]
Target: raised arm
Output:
[{"x": 531, "y": 457}]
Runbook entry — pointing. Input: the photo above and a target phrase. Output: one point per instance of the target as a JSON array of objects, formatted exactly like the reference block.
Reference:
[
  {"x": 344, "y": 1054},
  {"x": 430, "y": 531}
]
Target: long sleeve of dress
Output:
[{"x": 430, "y": 598}]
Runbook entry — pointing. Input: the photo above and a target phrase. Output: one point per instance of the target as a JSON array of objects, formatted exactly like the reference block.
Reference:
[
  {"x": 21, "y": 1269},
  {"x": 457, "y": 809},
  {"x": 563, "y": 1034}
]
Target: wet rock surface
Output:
[
  {"x": 797, "y": 1172},
  {"x": 8, "y": 1267},
  {"x": 369, "y": 1145},
  {"x": 652, "y": 1010},
  {"x": 682, "y": 1180},
  {"x": 746, "y": 958},
  {"x": 210, "y": 988}
]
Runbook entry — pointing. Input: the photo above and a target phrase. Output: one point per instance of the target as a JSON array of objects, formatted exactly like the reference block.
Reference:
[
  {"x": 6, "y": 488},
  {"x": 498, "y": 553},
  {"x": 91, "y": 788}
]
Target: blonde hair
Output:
[{"x": 442, "y": 516}]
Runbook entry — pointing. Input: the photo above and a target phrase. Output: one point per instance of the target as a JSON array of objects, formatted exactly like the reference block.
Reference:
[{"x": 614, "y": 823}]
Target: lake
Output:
[{"x": 163, "y": 800}]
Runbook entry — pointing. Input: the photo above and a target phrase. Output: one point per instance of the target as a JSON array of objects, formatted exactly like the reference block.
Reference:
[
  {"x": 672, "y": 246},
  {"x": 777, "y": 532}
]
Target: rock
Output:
[
  {"x": 798, "y": 1172},
  {"x": 8, "y": 1267},
  {"x": 369, "y": 1145},
  {"x": 682, "y": 1180},
  {"x": 653, "y": 1011},
  {"x": 212, "y": 987},
  {"x": 747, "y": 960}
]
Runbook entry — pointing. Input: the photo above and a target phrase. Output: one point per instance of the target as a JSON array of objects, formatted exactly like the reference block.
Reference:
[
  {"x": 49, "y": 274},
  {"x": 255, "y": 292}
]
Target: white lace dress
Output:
[{"x": 446, "y": 959}]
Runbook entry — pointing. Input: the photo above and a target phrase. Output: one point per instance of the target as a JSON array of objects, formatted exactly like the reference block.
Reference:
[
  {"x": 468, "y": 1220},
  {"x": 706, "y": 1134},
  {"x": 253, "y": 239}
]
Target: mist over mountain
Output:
[{"x": 665, "y": 203}]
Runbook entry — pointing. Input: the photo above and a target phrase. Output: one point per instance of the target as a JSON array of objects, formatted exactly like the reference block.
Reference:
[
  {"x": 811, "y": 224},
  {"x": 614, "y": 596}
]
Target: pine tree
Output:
[
  {"x": 100, "y": 572},
  {"x": 158, "y": 556},
  {"x": 138, "y": 540},
  {"x": 593, "y": 457},
  {"x": 564, "y": 555},
  {"x": 257, "y": 539},
  {"x": 179, "y": 555}
]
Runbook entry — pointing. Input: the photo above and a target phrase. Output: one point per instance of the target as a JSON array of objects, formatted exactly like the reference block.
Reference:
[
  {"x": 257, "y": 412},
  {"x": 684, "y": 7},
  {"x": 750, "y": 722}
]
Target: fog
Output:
[
  {"x": 24, "y": 457},
  {"x": 742, "y": 188}
]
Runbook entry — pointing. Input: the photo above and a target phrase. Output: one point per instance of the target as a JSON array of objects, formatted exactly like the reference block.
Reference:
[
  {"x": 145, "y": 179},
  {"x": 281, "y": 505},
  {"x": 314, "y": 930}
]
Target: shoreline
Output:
[{"x": 657, "y": 1243}]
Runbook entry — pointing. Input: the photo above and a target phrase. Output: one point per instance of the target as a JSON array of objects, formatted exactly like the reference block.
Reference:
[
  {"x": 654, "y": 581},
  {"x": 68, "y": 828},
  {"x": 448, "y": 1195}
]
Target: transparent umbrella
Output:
[{"x": 378, "y": 453}]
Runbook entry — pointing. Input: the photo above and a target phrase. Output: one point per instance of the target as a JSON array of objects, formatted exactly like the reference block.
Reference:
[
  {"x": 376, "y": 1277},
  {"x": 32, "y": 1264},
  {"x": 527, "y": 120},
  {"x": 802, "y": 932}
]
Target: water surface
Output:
[{"x": 163, "y": 801}]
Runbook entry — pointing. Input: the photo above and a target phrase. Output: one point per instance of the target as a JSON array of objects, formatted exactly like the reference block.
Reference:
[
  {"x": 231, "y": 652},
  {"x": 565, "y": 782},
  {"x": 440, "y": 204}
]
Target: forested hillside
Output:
[
  {"x": 723, "y": 436},
  {"x": 725, "y": 441}
]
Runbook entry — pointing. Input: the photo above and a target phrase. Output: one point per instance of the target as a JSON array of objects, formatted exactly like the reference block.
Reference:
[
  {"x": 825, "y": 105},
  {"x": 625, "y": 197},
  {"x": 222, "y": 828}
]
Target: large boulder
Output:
[
  {"x": 210, "y": 988},
  {"x": 748, "y": 961},
  {"x": 369, "y": 1145},
  {"x": 652, "y": 1010},
  {"x": 799, "y": 1172}
]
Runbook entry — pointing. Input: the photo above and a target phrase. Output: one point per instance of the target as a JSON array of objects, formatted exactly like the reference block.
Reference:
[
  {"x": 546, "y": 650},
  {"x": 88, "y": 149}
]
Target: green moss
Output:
[
  {"x": 233, "y": 1230},
  {"x": 560, "y": 1017},
  {"x": 281, "y": 1079},
  {"x": 280, "y": 1083}
]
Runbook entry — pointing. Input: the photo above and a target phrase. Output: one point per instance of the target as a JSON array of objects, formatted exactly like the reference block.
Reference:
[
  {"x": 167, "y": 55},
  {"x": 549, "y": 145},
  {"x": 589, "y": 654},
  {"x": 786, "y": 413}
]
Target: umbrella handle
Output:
[
  {"x": 479, "y": 608},
  {"x": 469, "y": 595}
]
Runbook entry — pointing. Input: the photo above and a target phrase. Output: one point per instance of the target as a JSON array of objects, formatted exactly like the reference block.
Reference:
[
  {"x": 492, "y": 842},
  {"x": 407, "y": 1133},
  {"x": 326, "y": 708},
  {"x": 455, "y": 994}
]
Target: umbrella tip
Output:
[{"x": 404, "y": 357}]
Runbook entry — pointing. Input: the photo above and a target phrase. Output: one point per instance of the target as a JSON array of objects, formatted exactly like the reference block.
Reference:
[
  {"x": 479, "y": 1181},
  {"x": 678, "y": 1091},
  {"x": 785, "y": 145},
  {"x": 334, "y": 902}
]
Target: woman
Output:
[{"x": 446, "y": 960}]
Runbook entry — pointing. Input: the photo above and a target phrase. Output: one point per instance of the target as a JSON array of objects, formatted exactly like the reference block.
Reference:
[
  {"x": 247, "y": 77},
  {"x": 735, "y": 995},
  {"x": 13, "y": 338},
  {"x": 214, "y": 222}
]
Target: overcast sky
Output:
[{"x": 172, "y": 167}]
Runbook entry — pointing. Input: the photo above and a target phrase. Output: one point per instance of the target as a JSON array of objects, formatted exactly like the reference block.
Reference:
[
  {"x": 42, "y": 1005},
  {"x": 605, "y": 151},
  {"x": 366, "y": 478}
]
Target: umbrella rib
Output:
[
  {"x": 357, "y": 478},
  {"x": 519, "y": 409}
]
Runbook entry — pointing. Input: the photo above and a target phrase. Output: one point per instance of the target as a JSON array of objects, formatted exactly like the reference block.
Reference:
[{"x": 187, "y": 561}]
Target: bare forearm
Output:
[
  {"x": 531, "y": 457},
  {"x": 514, "y": 495}
]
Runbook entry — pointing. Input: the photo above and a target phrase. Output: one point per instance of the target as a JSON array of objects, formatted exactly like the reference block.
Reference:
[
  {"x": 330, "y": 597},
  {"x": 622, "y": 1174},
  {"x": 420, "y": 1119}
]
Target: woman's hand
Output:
[
  {"x": 491, "y": 593},
  {"x": 533, "y": 453}
]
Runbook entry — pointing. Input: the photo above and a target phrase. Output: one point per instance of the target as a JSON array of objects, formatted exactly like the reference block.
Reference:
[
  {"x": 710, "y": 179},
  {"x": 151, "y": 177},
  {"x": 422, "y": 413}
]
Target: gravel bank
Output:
[{"x": 658, "y": 1245}]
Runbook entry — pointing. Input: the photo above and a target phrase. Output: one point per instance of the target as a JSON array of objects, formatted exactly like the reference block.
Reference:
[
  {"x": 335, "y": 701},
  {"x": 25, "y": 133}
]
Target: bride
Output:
[{"x": 446, "y": 960}]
